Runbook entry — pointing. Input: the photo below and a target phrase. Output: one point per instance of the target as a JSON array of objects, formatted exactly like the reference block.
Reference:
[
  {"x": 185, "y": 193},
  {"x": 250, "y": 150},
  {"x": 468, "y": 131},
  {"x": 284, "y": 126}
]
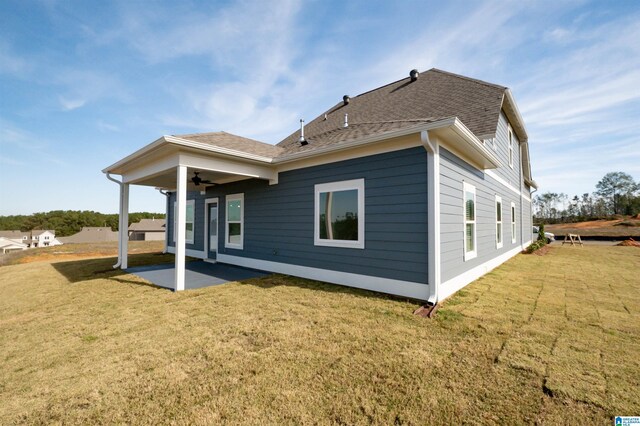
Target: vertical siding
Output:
[
  {"x": 279, "y": 219},
  {"x": 453, "y": 172}
]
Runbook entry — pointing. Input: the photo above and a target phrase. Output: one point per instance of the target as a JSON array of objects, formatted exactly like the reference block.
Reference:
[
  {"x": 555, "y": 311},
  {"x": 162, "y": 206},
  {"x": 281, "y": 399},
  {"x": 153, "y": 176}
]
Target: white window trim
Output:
[
  {"x": 510, "y": 136},
  {"x": 499, "y": 242},
  {"x": 345, "y": 185},
  {"x": 514, "y": 228},
  {"x": 175, "y": 217},
  {"x": 468, "y": 255},
  {"x": 227, "y": 244}
]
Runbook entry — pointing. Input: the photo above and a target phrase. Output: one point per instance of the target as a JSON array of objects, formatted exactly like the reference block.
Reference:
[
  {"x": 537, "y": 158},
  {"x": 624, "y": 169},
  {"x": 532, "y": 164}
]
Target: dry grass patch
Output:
[{"x": 551, "y": 339}]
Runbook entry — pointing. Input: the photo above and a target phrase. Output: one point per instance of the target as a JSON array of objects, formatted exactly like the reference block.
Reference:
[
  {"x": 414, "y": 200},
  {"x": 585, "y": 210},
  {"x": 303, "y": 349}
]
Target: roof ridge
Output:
[{"x": 475, "y": 80}]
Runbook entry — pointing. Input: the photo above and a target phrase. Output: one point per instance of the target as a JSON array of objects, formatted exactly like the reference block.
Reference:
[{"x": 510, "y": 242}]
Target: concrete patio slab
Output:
[{"x": 199, "y": 274}]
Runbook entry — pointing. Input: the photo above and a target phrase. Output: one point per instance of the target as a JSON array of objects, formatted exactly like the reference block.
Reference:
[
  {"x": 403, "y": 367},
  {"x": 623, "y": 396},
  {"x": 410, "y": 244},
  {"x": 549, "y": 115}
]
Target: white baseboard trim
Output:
[
  {"x": 200, "y": 254},
  {"x": 456, "y": 283},
  {"x": 383, "y": 285}
]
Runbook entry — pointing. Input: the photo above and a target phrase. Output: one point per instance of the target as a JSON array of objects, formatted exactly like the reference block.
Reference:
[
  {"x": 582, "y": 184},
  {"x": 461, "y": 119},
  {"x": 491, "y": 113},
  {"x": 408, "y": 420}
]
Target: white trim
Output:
[
  {"x": 433, "y": 219},
  {"x": 503, "y": 182},
  {"x": 193, "y": 222},
  {"x": 499, "y": 241},
  {"x": 514, "y": 228},
  {"x": 199, "y": 254},
  {"x": 367, "y": 282},
  {"x": 449, "y": 287},
  {"x": 233, "y": 197},
  {"x": 207, "y": 219},
  {"x": 345, "y": 185},
  {"x": 472, "y": 254}
]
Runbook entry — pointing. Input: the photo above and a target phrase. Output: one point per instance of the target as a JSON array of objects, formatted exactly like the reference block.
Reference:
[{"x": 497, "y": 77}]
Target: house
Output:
[
  {"x": 8, "y": 245},
  {"x": 44, "y": 238},
  {"x": 147, "y": 230},
  {"x": 415, "y": 188},
  {"x": 91, "y": 234},
  {"x": 33, "y": 238}
]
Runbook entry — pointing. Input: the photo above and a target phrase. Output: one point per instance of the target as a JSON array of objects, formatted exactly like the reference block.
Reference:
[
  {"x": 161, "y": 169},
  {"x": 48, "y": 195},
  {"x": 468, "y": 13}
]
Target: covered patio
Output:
[
  {"x": 168, "y": 165},
  {"x": 198, "y": 274}
]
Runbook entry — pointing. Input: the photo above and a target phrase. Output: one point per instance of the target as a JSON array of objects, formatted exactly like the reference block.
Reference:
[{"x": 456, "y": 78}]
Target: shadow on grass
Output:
[
  {"x": 102, "y": 268},
  {"x": 89, "y": 269}
]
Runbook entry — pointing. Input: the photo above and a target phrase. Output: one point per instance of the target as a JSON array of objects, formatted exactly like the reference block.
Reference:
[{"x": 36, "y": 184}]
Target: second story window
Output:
[{"x": 510, "y": 147}]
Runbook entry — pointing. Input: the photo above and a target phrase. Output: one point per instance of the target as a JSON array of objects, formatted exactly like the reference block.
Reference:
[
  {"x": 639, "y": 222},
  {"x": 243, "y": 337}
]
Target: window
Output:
[
  {"x": 234, "y": 228},
  {"x": 188, "y": 223},
  {"x": 510, "y": 147},
  {"x": 339, "y": 214},
  {"x": 513, "y": 223},
  {"x": 498, "y": 222},
  {"x": 469, "y": 194}
]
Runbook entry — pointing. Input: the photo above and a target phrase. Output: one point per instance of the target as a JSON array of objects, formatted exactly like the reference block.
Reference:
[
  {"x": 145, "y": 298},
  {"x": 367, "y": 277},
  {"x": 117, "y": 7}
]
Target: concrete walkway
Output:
[{"x": 199, "y": 274}]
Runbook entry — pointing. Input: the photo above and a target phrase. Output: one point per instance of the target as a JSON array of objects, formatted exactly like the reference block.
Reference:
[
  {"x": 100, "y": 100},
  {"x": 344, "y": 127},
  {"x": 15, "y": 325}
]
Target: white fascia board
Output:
[
  {"x": 514, "y": 106},
  {"x": 172, "y": 140},
  {"x": 217, "y": 149},
  {"x": 137, "y": 154}
]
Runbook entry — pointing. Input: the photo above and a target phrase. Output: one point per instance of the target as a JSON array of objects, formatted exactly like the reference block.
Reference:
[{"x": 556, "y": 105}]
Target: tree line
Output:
[
  {"x": 616, "y": 194},
  {"x": 68, "y": 222}
]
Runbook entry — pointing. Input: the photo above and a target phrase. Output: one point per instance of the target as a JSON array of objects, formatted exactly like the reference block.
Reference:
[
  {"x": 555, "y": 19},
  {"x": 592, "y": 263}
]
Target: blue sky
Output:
[{"x": 85, "y": 83}]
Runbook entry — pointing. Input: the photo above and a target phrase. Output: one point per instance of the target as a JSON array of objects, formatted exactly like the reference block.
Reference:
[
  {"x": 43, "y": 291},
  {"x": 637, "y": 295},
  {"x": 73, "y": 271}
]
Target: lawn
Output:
[{"x": 553, "y": 339}]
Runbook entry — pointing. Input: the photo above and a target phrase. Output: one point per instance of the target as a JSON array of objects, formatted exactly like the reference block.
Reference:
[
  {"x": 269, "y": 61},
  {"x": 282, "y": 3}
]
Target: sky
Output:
[{"x": 86, "y": 83}]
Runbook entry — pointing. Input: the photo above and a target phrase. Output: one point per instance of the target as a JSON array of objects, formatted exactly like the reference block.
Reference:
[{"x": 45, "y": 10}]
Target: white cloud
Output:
[{"x": 71, "y": 104}]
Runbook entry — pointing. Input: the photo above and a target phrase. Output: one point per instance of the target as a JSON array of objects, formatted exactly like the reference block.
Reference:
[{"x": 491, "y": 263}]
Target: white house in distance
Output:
[
  {"x": 7, "y": 245},
  {"x": 32, "y": 239}
]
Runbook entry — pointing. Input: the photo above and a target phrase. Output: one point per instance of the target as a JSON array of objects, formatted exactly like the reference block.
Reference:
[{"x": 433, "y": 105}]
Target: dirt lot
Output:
[{"x": 627, "y": 227}]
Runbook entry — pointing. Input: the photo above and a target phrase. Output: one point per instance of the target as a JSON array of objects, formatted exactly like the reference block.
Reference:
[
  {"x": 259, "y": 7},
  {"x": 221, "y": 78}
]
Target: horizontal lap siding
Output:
[
  {"x": 453, "y": 171},
  {"x": 511, "y": 175},
  {"x": 279, "y": 219}
]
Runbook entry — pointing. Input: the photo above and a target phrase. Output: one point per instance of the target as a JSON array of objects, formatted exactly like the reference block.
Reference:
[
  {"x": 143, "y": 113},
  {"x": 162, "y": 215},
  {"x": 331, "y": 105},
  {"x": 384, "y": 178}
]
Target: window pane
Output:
[
  {"x": 233, "y": 210},
  {"x": 189, "y": 212},
  {"x": 234, "y": 233},
  {"x": 339, "y": 215},
  {"x": 469, "y": 235},
  {"x": 499, "y": 232},
  {"x": 499, "y": 212},
  {"x": 189, "y": 233},
  {"x": 469, "y": 206}
]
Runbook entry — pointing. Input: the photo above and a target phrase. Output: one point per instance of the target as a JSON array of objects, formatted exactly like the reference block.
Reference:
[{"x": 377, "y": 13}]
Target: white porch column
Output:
[
  {"x": 181, "y": 220},
  {"x": 124, "y": 228}
]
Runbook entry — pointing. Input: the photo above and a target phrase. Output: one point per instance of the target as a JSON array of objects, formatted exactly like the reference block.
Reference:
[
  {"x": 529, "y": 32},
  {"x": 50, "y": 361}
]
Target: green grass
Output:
[{"x": 551, "y": 339}]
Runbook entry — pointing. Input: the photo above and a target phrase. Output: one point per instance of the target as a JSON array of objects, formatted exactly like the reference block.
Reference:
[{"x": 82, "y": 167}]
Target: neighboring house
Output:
[
  {"x": 147, "y": 230},
  {"x": 34, "y": 238},
  {"x": 415, "y": 188},
  {"x": 44, "y": 238},
  {"x": 90, "y": 234},
  {"x": 8, "y": 245}
]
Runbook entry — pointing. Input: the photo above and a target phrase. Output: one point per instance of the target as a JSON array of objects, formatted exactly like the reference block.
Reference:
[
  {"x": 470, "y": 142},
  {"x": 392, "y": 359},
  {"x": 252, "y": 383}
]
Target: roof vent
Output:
[
  {"x": 302, "y": 140},
  {"x": 414, "y": 74},
  {"x": 346, "y": 120},
  {"x": 346, "y": 99}
]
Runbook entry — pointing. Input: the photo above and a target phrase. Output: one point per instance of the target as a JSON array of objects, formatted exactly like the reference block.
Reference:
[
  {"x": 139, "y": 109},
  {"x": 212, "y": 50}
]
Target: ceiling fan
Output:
[{"x": 197, "y": 180}]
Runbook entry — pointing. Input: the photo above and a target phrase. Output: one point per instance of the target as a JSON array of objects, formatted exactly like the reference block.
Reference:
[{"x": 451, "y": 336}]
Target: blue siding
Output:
[
  {"x": 279, "y": 219},
  {"x": 453, "y": 172}
]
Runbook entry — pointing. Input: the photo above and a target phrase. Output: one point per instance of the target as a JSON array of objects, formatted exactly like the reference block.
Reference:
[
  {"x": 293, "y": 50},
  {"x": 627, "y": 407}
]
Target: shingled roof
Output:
[
  {"x": 234, "y": 142},
  {"x": 433, "y": 96}
]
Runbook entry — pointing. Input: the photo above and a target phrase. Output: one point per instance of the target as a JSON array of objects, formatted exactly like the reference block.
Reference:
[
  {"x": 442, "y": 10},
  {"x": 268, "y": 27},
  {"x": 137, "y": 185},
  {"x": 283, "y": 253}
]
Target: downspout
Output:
[
  {"x": 166, "y": 221},
  {"x": 117, "y": 265},
  {"x": 433, "y": 220}
]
